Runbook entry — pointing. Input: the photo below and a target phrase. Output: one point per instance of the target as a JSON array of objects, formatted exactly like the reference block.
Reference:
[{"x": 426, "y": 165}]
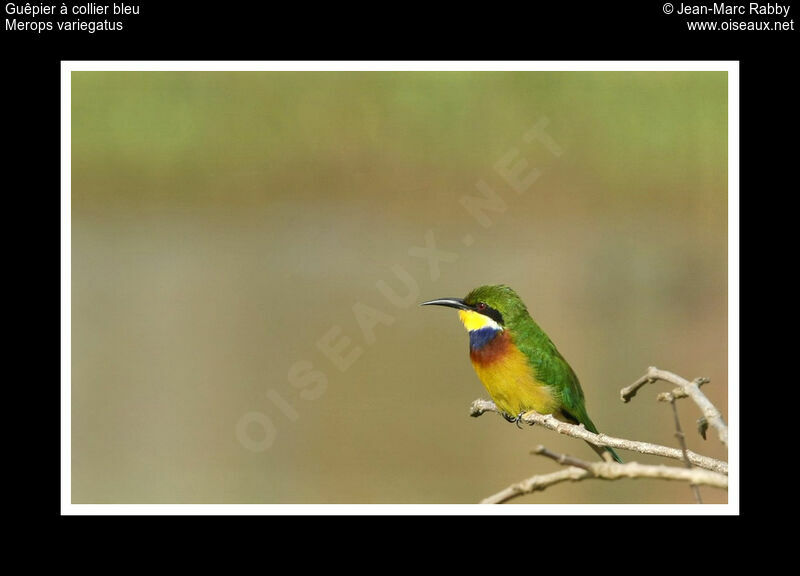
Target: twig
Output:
[
  {"x": 582, "y": 470},
  {"x": 682, "y": 441},
  {"x": 690, "y": 389},
  {"x": 678, "y": 393},
  {"x": 536, "y": 483},
  {"x": 548, "y": 421},
  {"x": 563, "y": 459}
]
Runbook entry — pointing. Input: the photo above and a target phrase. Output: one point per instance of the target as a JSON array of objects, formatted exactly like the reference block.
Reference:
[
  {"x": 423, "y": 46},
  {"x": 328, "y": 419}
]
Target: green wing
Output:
[{"x": 553, "y": 370}]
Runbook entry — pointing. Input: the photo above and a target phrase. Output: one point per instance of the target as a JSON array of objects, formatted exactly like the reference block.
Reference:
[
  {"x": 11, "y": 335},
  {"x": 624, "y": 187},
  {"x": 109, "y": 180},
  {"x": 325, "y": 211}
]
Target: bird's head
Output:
[{"x": 485, "y": 307}]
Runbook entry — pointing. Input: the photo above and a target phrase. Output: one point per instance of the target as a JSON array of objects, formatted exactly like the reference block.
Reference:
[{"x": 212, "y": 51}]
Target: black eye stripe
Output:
[{"x": 487, "y": 310}]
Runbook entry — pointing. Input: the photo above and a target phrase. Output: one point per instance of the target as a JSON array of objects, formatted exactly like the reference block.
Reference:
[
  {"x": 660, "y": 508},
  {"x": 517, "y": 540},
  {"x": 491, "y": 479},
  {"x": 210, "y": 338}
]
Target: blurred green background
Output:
[{"x": 223, "y": 223}]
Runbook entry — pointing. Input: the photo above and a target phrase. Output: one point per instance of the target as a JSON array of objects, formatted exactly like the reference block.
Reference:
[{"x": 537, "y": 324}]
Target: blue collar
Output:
[{"x": 480, "y": 338}]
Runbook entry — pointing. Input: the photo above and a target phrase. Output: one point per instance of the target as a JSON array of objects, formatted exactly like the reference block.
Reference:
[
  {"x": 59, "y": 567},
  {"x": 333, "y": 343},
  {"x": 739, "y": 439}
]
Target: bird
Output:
[{"x": 518, "y": 364}]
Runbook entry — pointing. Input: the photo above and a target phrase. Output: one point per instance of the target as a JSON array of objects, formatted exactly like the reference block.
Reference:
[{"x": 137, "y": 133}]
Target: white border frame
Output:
[{"x": 67, "y": 507}]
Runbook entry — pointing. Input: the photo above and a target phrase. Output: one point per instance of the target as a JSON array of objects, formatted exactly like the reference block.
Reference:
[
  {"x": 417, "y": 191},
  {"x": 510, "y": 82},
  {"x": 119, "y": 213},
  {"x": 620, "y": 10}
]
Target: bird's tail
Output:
[{"x": 606, "y": 453}]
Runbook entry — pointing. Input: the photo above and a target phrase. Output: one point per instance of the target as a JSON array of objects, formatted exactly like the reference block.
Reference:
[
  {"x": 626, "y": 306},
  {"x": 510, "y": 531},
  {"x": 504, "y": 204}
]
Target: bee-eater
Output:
[{"x": 516, "y": 361}]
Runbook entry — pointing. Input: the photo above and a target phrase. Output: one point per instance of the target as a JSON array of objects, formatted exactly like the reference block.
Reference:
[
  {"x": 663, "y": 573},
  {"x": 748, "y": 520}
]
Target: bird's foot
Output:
[{"x": 515, "y": 419}]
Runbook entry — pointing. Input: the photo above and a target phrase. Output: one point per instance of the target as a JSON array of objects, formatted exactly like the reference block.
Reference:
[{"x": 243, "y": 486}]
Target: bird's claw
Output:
[{"x": 515, "y": 419}]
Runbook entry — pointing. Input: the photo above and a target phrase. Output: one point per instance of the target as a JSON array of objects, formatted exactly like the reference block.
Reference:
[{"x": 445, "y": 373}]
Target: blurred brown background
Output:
[{"x": 223, "y": 223}]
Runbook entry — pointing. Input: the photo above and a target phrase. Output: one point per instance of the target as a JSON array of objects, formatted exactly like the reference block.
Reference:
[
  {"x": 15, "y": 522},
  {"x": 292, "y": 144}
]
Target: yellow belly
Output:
[{"x": 511, "y": 383}]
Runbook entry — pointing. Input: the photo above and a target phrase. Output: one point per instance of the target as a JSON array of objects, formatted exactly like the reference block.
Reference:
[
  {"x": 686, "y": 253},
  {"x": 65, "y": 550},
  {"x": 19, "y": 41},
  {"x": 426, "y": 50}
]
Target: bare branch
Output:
[
  {"x": 582, "y": 470},
  {"x": 678, "y": 393},
  {"x": 563, "y": 459},
  {"x": 686, "y": 388},
  {"x": 682, "y": 440},
  {"x": 535, "y": 484},
  {"x": 548, "y": 421}
]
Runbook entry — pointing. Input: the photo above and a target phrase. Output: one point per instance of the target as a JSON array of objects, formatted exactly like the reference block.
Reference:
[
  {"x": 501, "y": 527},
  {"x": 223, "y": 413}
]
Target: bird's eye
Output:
[{"x": 481, "y": 306}]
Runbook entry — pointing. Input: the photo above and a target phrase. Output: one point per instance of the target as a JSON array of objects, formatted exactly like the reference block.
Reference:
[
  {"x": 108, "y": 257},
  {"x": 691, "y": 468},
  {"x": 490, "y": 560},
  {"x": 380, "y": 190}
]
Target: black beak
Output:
[{"x": 457, "y": 303}]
